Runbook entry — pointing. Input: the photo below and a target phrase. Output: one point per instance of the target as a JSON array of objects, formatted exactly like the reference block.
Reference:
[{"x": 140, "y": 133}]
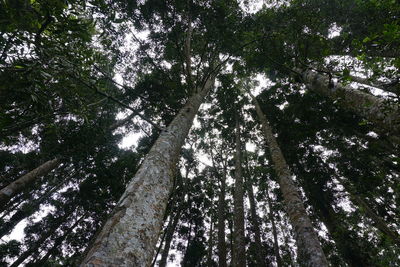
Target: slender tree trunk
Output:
[
  {"x": 274, "y": 232},
  {"x": 54, "y": 226},
  {"x": 21, "y": 183},
  {"x": 221, "y": 222},
  {"x": 57, "y": 243},
  {"x": 309, "y": 248},
  {"x": 239, "y": 254},
  {"x": 210, "y": 245},
  {"x": 168, "y": 238},
  {"x": 129, "y": 236},
  {"x": 256, "y": 225},
  {"x": 383, "y": 113}
]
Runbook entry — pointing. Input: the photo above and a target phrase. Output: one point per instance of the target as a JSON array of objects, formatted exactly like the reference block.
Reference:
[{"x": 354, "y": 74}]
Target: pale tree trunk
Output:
[
  {"x": 129, "y": 236},
  {"x": 383, "y": 113},
  {"x": 309, "y": 248},
  {"x": 168, "y": 238},
  {"x": 221, "y": 222},
  {"x": 239, "y": 253},
  {"x": 256, "y": 225},
  {"x": 274, "y": 232},
  {"x": 21, "y": 183}
]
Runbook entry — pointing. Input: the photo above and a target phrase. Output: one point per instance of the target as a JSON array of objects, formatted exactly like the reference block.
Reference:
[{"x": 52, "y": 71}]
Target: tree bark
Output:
[
  {"x": 239, "y": 253},
  {"x": 384, "y": 114},
  {"x": 129, "y": 236},
  {"x": 21, "y": 183},
  {"x": 309, "y": 248}
]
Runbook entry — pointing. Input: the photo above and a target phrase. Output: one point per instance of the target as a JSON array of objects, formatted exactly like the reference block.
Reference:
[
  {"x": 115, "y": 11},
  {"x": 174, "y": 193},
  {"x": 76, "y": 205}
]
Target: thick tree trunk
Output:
[
  {"x": 256, "y": 225},
  {"x": 21, "y": 183},
  {"x": 129, "y": 236},
  {"x": 221, "y": 223},
  {"x": 274, "y": 232},
  {"x": 168, "y": 238},
  {"x": 382, "y": 113},
  {"x": 309, "y": 248},
  {"x": 239, "y": 253}
]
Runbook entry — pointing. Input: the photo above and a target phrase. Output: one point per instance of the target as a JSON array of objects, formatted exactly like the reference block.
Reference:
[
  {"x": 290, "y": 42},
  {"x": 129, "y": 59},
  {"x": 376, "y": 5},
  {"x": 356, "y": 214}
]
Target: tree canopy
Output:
[{"x": 263, "y": 133}]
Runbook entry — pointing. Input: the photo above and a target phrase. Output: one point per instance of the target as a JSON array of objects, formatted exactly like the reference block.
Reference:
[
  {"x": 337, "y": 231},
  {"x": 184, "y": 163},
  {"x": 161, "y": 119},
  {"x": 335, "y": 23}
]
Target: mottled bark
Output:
[
  {"x": 129, "y": 236},
  {"x": 21, "y": 183},
  {"x": 274, "y": 232},
  {"x": 239, "y": 253},
  {"x": 309, "y": 248},
  {"x": 255, "y": 221},
  {"x": 221, "y": 222},
  {"x": 168, "y": 238},
  {"x": 383, "y": 113}
]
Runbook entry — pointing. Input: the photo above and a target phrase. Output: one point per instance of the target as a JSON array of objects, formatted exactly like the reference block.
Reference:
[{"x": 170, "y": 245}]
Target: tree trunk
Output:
[
  {"x": 256, "y": 225},
  {"x": 210, "y": 245},
  {"x": 21, "y": 183},
  {"x": 239, "y": 253},
  {"x": 309, "y": 248},
  {"x": 129, "y": 236},
  {"x": 274, "y": 232},
  {"x": 221, "y": 222},
  {"x": 382, "y": 113},
  {"x": 168, "y": 238},
  {"x": 54, "y": 226}
]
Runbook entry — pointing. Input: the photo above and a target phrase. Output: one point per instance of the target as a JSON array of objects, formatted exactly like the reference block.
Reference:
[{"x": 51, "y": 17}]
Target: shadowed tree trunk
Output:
[
  {"x": 274, "y": 232},
  {"x": 210, "y": 244},
  {"x": 388, "y": 87},
  {"x": 384, "y": 114},
  {"x": 309, "y": 248},
  {"x": 221, "y": 222},
  {"x": 33, "y": 249},
  {"x": 239, "y": 253},
  {"x": 255, "y": 221},
  {"x": 129, "y": 236},
  {"x": 168, "y": 238}
]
